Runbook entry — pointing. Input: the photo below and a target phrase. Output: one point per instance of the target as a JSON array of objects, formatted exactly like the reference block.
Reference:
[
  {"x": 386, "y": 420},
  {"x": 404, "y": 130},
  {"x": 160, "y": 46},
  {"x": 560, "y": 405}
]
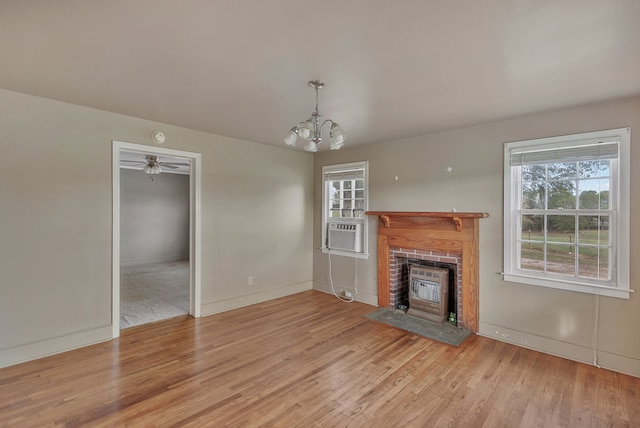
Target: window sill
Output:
[
  {"x": 364, "y": 256},
  {"x": 601, "y": 290}
]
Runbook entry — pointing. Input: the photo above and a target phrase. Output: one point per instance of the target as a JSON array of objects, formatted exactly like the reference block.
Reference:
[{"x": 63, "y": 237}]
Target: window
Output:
[
  {"x": 344, "y": 225},
  {"x": 566, "y": 212}
]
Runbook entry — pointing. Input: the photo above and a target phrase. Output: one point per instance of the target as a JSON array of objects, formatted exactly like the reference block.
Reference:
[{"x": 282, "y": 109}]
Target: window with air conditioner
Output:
[
  {"x": 566, "y": 212},
  {"x": 344, "y": 225}
]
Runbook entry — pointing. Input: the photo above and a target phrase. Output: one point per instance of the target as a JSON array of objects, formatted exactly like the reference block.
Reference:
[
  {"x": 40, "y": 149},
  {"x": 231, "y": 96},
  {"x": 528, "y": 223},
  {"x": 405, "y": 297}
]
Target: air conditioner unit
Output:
[{"x": 345, "y": 236}]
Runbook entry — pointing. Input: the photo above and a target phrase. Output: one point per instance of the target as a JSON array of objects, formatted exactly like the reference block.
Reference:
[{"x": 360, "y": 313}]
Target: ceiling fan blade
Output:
[
  {"x": 175, "y": 163},
  {"x": 164, "y": 165},
  {"x": 130, "y": 161}
]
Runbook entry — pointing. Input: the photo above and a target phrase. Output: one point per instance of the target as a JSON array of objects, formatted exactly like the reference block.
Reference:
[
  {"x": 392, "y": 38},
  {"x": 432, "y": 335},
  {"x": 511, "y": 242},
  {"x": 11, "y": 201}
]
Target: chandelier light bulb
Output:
[
  {"x": 305, "y": 130},
  {"x": 290, "y": 139},
  {"x": 311, "y": 146},
  {"x": 337, "y": 134},
  {"x": 335, "y": 146}
]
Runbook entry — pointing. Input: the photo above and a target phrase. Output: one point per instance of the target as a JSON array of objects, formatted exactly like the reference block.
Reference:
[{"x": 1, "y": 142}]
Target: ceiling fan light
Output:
[
  {"x": 155, "y": 169},
  {"x": 147, "y": 169},
  {"x": 311, "y": 146},
  {"x": 290, "y": 139}
]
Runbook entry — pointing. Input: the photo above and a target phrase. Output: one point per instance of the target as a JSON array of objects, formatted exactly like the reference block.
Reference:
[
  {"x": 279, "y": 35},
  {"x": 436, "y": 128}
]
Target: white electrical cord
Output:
[
  {"x": 594, "y": 339},
  {"x": 355, "y": 277},
  {"x": 343, "y": 299}
]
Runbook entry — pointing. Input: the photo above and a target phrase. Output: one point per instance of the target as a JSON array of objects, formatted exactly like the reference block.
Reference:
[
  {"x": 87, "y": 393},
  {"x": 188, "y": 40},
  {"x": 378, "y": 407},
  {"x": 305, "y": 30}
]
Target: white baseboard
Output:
[
  {"x": 582, "y": 354},
  {"x": 128, "y": 263},
  {"x": 44, "y": 348},
  {"x": 369, "y": 299},
  {"x": 252, "y": 299}
]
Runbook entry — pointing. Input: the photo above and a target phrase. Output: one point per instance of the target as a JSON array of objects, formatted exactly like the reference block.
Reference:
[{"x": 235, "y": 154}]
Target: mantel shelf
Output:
[
  {"x": 456, "y": 217},
  {"x": 443, "y": 214}
]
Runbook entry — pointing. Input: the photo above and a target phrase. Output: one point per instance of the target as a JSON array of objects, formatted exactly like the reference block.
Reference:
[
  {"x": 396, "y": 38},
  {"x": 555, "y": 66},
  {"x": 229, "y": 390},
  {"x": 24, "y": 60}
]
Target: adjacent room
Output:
[
  {"x": 251, "y": 213},
  {"x": 154, "y": 238}
]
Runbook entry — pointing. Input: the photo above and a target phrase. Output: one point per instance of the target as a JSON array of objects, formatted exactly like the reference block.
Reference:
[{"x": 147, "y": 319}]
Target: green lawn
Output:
[{"x": 561, "y": 252}]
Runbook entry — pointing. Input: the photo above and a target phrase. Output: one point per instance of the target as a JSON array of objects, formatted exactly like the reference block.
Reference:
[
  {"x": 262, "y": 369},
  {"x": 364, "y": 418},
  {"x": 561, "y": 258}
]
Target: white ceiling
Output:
[{"x": 393, "y": 69}]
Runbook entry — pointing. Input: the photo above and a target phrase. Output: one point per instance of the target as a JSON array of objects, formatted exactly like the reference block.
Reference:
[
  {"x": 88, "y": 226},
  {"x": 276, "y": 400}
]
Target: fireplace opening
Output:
[{"x": 424, "y": 303}]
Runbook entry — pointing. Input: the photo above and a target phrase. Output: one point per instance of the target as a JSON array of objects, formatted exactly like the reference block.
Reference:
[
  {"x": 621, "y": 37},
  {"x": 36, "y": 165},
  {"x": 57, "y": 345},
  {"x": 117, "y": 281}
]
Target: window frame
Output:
[
  {"x": 619, "y": 212},
  {"x": 327, "y": 219}
]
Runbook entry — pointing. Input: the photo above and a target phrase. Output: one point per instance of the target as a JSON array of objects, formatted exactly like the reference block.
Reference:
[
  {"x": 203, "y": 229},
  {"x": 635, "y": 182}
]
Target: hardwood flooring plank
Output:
[{"x": 303, "y": 361}]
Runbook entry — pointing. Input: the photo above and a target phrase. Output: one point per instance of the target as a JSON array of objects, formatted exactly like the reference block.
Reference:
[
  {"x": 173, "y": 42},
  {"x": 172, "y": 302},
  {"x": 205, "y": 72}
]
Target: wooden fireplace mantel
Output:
[{"x": 448, "y": 232}]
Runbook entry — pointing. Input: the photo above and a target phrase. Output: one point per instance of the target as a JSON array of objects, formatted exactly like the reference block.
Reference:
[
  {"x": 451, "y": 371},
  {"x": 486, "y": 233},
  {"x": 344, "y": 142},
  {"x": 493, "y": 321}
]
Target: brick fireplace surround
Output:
[{"x": 426, "y": 234}]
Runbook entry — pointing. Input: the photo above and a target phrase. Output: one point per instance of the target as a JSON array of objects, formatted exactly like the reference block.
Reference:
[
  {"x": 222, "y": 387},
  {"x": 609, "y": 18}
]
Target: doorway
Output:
[{"x": 122, "y": 150}]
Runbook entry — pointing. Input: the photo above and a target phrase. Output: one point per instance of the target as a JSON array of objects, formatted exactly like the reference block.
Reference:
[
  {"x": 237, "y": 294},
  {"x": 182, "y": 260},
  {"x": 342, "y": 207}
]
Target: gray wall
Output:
[
  {"x": 554, "y": 321},
  {"x": 154, "y": 217},
  {"x": 56, "y": 223}
]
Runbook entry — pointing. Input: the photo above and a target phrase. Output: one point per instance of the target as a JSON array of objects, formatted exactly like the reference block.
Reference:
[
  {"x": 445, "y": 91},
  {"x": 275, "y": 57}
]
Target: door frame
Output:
[{"x": 195, "y": 258}]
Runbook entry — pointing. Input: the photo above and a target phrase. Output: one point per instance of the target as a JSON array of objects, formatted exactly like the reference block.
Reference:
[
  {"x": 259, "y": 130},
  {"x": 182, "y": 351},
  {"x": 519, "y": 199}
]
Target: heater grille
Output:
[{"x": 428, "y": 292}]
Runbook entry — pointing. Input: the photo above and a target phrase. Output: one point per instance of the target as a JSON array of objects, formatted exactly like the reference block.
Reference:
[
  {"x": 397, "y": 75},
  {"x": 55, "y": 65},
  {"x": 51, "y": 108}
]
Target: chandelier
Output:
[{"x": 311, "y": 128}]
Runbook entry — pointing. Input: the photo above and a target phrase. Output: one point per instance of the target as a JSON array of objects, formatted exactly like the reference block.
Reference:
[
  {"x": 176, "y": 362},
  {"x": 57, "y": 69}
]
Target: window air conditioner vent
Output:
[{"x": 345, "y": 236}]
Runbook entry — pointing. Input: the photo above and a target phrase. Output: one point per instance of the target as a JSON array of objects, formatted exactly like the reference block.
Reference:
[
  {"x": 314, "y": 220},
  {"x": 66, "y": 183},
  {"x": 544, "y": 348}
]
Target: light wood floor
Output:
[{"x": 309, "y": 360}]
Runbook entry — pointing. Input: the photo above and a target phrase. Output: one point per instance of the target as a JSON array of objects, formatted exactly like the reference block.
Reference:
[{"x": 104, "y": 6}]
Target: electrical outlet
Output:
[
  {"x": 250, "y": 281},
  {"x": 348, "y": 294}
]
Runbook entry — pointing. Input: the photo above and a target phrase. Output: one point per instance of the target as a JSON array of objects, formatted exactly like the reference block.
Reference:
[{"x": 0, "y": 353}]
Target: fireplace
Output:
[{"x": 448, "y": 236}]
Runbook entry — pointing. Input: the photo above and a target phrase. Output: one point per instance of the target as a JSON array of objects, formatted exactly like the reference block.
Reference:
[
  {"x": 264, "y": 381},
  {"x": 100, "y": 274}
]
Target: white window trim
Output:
[
  {"x": 364, "y": 221},
  {"x": 622, "y": 232}
]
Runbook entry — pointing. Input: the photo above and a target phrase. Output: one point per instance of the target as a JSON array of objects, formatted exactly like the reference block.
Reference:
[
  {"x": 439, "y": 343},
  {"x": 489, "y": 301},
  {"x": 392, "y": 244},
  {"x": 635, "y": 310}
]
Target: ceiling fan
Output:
[{"x": 152, "y": 164}]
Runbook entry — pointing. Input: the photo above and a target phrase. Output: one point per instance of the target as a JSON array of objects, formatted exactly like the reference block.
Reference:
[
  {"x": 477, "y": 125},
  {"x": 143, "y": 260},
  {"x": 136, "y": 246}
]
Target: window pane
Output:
[
  {"x": 532, "y": 227},
  {"x": 347, "y": 184},
  {"x": 359, "y": 204},
  {"x": 560, "y": 228},
  {"x": 590, "y": 200},
  {"x": 594, "y": 194},
  {"x": 593, "y": 262},
  {"x": 359, "y": 184},
  {"x": 348, "y": 194},
  {"x": 360, "y": 194},
  {"x": 562, "y": 195},
  {"x": 561, "y": 171},
  {"x": 533, "y": 172},
  {"x": 533, "y": 194},
  {"x": 346, "y": 213},
  {"x": 594, "y": 168},
  {"x": 532, "y": 256},
  {"x": 594, "y": 229},
  {"x": 335, "y": 185},
  {"x": 335, "y": 212},
  {"x": 561, "y": 259}
]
